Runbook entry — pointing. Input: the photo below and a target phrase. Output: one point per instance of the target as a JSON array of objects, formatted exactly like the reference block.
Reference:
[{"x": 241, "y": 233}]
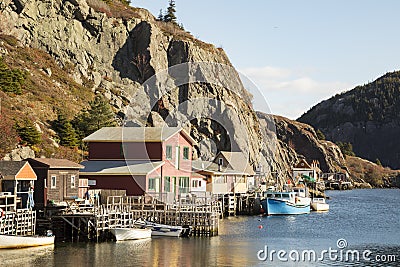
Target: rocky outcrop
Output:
[
  {"x": 289, "y": 141},
  {"x": 20, "y": 153},
  {"x": 155, "y": 73}
]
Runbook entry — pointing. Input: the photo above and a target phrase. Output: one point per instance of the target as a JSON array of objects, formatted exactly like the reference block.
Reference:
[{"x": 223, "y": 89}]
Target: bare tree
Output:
[{"x": 142, "y": 64}]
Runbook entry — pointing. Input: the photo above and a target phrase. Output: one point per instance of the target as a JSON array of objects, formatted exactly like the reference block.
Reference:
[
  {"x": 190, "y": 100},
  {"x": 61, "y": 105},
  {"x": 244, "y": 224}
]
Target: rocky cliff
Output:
[{"x": 154, "y": 73}]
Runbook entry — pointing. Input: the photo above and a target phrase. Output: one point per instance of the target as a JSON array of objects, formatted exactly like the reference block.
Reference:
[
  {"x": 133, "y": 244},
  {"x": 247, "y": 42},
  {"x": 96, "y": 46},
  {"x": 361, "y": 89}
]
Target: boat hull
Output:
[
  {"x": 169, "y": 231},
  {"x": 163, "y": 229},
  {"x": 317, "y": 206},
  {"x": 281, "y": 207},
  {"x": 10, "y": 241},
  {"x": 122, "y": 234}
]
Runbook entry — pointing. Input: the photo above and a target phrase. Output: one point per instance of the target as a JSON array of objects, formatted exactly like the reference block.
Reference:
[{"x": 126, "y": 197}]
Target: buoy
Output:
[{"x": 260, "y": 227}]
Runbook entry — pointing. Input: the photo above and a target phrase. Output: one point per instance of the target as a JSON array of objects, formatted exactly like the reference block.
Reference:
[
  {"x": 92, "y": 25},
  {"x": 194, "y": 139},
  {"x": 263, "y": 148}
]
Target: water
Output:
[{"x": 366, "y": 219}]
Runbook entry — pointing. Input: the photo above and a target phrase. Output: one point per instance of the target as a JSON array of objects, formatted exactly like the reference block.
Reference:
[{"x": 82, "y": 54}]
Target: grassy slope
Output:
[
  {"x": 370, "y": 172},
  {"x": 42, "y": 94}
]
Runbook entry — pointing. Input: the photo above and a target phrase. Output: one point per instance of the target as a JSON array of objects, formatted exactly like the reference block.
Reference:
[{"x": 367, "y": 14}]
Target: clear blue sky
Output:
[{"x": 297, "y": 52}]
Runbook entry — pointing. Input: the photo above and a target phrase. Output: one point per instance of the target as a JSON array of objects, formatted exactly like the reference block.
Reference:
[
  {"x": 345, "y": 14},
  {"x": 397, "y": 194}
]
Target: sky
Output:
[{"x": 297, "y": 52}]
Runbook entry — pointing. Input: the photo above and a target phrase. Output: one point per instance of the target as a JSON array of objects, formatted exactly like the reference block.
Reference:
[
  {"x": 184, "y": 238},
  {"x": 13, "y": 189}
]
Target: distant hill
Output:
[{"x": 367, "y": 116}]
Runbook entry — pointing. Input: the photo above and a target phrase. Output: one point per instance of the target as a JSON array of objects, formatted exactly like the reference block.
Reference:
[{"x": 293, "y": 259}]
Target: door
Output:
[{"x": 64, "y": 179}]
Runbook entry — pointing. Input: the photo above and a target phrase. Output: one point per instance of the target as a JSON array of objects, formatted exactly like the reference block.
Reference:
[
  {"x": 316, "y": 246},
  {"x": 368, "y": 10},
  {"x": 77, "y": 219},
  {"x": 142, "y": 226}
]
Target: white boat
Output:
[
  {"x": 319, "y": 204},
  {"x": 14, "y": 241},
  {"x": 163, "y": 229},
  {"x": 122, "y": 234}
]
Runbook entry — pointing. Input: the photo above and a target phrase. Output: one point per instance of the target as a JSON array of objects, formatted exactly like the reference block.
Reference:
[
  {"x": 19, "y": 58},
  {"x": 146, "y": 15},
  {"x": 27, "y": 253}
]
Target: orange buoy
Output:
[{"x": 260, "y": 227}]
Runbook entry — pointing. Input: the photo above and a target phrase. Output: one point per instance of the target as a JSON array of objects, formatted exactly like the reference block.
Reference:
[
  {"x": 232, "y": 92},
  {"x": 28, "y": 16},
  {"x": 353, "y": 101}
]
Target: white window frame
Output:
[
  {"x": 73, "y": 181},
  {"x": 53, "y": 185}
]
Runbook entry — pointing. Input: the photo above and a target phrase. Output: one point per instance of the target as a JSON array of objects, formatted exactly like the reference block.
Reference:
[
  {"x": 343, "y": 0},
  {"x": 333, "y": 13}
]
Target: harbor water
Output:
[{"x": 363, "y": 223}]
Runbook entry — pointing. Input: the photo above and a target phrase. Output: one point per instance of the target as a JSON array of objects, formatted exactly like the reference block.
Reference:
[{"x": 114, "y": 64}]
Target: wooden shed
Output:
[
  {"x": 18, "y": 178},
  {"x": 57, "y": 180}
]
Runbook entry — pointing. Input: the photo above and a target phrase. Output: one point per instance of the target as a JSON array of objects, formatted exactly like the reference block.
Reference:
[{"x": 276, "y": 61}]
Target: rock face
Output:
[
  {"x": 154, "y": 73},
  {"x": 296, "y": 140},
  {"x": 20, "y": 153}
]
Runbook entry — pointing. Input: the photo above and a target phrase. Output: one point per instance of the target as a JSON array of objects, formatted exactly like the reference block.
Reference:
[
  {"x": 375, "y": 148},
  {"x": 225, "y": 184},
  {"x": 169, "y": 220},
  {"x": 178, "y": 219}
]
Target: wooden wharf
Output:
[
  {"x": 93, "y": 223},
  {"x": 15, "y": 221}
]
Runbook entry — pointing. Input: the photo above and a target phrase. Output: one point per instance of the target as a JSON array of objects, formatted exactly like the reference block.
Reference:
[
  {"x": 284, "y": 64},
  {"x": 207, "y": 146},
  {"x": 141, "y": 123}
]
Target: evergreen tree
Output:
[
  {"x": 320, "y": 135},
  {"x": 161, "y": 15},
  {"x": 170, "y": 16},
  {"x": 98, "y": 115},
  {"x": 65, "y": 131},
  {"x": 28, "y": 133},
  {"x": 11, "y": 80},
  {"x": 346, "y": 148}
]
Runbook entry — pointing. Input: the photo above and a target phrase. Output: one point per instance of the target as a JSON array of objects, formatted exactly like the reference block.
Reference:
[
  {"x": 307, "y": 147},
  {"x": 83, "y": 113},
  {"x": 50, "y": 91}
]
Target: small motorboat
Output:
[
  {"x": 15, "y": 241},
  {"x": 132, "y": 233},
  {"x": 319, "y": 204},
  {"x": 158, "y": 229}
]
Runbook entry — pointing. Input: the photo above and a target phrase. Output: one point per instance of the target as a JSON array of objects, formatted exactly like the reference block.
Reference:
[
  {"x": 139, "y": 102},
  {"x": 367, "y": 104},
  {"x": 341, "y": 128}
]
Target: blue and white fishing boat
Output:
[{"x": 285, "y": 203}]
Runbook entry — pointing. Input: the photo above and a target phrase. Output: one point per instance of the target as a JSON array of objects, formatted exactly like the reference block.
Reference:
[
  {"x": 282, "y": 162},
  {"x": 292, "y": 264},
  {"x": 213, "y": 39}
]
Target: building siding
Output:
[
  {"x": 132, "y": 185},
  {"x": 128, "y": 151}
]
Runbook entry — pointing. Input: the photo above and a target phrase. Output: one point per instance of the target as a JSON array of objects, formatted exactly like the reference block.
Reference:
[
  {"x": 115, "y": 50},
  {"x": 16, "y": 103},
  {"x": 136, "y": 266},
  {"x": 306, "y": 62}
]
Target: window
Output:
[
  {"x": 185, "y": 153},
  {"x": 168, "y": 152},
  {"x": 167, "y": 184},
  {"x": 72, "y": 181},
  {"x": 196, "y": 183},
  {"x": 45, "y": 183},
  {"x": 183, "y": 184},
  {"x": 177, "y": 157},
  {"x": 53, "y": 181},
  {"x": 152, "y": 184},
  {"x": 220, "y": 161}
]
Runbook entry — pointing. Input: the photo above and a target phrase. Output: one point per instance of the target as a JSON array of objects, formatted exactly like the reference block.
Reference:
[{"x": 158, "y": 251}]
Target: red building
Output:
[{"x": 140, "y": 160}]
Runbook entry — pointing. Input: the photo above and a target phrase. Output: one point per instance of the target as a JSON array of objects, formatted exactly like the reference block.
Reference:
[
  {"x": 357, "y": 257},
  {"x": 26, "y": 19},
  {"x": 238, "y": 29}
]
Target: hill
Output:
[
  {"x": 367, "y": 116},
  {"x": 151, "y": 72}
]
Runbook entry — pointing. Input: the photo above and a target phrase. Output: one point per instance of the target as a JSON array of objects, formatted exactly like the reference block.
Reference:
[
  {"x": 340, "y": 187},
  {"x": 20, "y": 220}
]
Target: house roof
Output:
[
  {"x": 119, "y": 167},
  {"x": 16, "y": 170},
  {"x": 211, "y": 167},
  {"x": 237, "y": 161},
  {"x": 57, "y": 163},
  {"x": 11, "y": 168},
  {"x": 136, "y": 134},
  {"x": 302, "y": 164}
]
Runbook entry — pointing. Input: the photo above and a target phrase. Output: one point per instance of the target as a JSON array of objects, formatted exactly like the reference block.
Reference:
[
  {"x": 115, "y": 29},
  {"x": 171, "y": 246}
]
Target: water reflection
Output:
[
  {"x": 365, "y": 218},
  {"x": 27, "y": 256}
]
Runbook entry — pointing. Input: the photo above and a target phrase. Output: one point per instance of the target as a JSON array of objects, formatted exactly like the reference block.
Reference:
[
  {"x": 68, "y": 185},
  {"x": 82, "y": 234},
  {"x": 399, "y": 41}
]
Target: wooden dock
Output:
[
  {"x": 15, "y": 221},
  {"x": 94, "y": 223}
]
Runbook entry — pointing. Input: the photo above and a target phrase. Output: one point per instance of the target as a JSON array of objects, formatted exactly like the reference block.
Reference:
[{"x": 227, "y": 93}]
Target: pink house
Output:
[{"x": 141, "y": 160}]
